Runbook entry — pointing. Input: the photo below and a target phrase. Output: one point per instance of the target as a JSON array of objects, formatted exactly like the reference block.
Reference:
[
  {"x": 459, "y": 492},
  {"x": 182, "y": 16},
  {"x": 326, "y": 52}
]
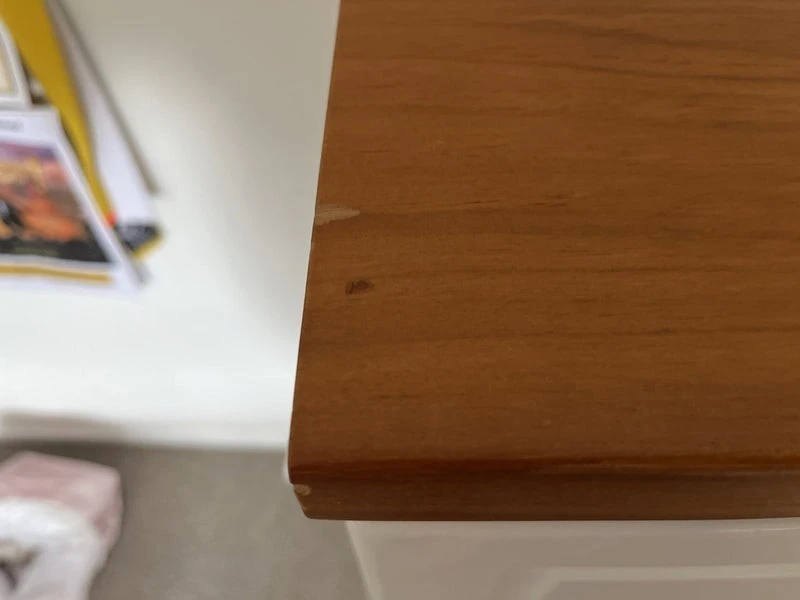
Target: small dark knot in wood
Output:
[{"x": 358, "y": 286}]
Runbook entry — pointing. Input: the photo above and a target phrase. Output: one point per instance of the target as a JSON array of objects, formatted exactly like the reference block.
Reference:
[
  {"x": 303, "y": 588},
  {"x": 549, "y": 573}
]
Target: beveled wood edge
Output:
[{"x": 602, "y": 495}]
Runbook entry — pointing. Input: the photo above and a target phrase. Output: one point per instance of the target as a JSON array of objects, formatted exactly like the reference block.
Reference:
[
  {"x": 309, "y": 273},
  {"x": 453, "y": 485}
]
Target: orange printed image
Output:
[{"x": 39, "y": 214}]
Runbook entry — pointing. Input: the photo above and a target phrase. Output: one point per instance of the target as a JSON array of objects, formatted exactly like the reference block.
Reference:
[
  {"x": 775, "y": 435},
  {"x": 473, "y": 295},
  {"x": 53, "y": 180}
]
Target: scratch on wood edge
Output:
[
  {"x": 327, "y": 213},
  {"x": 302, "y": 490}
]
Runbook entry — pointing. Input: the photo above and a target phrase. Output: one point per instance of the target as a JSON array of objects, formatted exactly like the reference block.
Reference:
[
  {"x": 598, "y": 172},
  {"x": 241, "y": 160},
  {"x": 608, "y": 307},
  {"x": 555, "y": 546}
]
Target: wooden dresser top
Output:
[{"x": 556, "y": 265}]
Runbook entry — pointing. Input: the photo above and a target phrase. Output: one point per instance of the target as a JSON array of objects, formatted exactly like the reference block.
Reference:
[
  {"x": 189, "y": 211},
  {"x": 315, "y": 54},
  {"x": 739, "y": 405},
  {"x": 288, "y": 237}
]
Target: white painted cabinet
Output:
[{"x": 701, "y": 560}]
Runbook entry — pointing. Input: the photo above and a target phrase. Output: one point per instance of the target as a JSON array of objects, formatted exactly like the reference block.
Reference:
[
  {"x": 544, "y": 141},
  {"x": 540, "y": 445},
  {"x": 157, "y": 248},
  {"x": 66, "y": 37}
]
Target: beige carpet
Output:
[{"x": 209, "y": 525}]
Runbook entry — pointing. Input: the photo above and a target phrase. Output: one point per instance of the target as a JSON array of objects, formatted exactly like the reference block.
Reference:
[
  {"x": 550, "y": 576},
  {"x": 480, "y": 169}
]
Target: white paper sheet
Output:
[
  {"x": 13, "y": 86},
  {"x": 119, "y": 171}
]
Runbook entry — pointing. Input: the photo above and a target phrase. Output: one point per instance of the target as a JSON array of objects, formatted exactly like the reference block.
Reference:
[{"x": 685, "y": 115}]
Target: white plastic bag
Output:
[{"x": 58, "y": 520}]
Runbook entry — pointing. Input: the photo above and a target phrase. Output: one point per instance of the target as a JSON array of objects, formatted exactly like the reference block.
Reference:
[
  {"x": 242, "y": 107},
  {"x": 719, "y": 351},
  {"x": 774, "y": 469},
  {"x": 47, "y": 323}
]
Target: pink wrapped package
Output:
[{"x": 58, "y": 519}]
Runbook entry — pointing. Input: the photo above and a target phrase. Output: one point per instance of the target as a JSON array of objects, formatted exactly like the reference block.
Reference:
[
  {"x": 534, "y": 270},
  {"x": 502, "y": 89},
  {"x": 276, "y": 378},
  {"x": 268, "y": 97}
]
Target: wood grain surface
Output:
[{"x": 559, "y": 242}]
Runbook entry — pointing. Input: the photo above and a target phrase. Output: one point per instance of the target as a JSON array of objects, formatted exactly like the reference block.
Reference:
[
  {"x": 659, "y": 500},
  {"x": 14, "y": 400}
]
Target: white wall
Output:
[{"x": 226, "y": 101}]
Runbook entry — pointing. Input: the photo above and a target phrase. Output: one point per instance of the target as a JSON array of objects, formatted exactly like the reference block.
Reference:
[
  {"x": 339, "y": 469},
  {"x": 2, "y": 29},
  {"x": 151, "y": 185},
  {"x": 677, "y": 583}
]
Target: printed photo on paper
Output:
[
  {"x": 39, "y": 214},
  {"x": 51, "y": 230}
]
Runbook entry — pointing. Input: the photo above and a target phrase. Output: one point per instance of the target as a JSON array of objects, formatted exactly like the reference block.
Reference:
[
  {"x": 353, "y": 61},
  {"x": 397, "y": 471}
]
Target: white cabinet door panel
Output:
[{"x": 704, "y": 560}]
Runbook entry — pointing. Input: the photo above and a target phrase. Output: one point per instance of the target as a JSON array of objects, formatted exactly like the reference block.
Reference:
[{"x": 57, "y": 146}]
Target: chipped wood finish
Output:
[
  {"x": 328, "y": 213},
  {"x": 568, "y": 285}
]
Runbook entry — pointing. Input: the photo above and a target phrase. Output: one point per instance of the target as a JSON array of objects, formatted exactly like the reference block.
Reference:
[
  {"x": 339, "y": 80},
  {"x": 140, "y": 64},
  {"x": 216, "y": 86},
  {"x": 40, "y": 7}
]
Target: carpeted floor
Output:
[{"x": 208, "y": 525}]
